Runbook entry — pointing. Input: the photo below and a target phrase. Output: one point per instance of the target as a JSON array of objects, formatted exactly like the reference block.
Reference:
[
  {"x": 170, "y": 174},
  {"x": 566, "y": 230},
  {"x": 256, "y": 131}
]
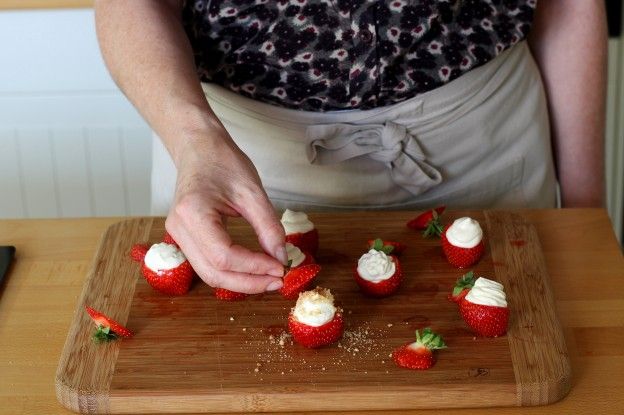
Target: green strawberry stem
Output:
[
  {"x": 465, "y": 282},
  {"x": 430, "y": 340},
  {"x": 434, "y": 227},
  {"x": 103, "y": 334},
  {"x": 378, "y": 245}
]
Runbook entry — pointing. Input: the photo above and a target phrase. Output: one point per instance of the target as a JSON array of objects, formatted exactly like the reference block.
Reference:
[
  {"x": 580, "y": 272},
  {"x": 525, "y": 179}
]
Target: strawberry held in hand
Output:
[
  {"x": 428, "y": 222},
  {"x": 315, "y": 321},
  {"x": 298, "y": 279},
  {"x": 484, "y": 308},
  {"x": 227, "y": 295},
  {"x": 462, "y": 242},
  {"x": 165, "y": 267},
  {"x": 378, "y": 274},
  {"x": 300, "y": 231},
  {"x": 107, "y": 328},
  {"x": 419, "y": 355},
  {"x": 296, "y": 257}
]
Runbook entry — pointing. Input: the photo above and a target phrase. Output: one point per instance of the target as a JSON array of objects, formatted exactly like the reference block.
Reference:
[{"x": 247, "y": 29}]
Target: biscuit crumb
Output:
[
  {"x": 231, "y": 318},
  {"x": 390, "y": 324}
]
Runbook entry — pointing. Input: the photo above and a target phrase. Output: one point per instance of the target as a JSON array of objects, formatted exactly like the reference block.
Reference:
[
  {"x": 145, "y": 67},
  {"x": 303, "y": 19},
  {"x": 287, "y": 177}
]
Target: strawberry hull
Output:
[
  {"x": 487, "y": 321},
  {"x": 308, "y": 242},
  {"x": 383, "y": 288},
  {"x": 176, "y": 281},
  {"x": 461, "y": 257},
  {"x": 405, "y": 357},
  {"x": 314, "y": 337}
]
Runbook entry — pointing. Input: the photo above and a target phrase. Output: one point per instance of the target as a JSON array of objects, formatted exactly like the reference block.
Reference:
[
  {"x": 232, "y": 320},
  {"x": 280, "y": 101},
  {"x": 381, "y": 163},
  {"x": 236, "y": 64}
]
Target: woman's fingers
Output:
[{"x": 241, "y": 282}]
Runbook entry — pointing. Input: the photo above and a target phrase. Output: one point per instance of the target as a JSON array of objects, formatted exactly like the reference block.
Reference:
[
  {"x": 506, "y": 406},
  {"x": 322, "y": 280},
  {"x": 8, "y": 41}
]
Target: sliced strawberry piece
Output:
[
  {"x": 419, "y": 355},
  {"x": 462, "y": 286},
  {"x": 138, "y": 251},
  {"x": 314, "y": 337},
  {"x": 382, "y": 288},
  {"x": 307, "y": 241},
  {"x": 167, "y": 238},
  {"x": 107, "y": 328},
  {"x": 428, "y": 221},
  {"x": 298, "y": 279},
  {"x": 461, "y": 257},
  {"x": 387, "y": 247},
  {"x": 486, "y": 320},
  {"x": 227, "y": 295}
]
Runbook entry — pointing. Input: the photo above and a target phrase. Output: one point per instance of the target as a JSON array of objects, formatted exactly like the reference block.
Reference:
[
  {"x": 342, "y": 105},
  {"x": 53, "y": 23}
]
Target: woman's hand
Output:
[{"x": 216, "y": 180}]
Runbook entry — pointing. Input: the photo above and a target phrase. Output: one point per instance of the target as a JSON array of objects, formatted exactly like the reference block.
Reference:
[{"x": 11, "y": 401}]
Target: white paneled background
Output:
[{"x": 71, "y": 145}]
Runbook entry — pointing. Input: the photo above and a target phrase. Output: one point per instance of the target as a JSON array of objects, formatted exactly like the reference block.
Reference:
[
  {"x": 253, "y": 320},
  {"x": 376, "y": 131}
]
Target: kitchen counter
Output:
[{"x": 39, "y": 296}]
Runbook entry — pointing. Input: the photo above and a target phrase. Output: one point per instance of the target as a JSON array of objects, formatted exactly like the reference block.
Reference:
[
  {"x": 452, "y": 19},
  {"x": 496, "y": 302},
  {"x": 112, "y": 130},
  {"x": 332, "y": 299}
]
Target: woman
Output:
[{"x": 359, "y": 103}]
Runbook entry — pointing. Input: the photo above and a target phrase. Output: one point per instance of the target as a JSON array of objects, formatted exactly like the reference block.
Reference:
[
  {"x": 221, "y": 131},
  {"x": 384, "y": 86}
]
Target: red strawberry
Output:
[
  {"x": 387, "y": 247},
  {"x": 107, "y": 328},
  {"x": 428, "y": 221},
  {"x": 419, "y": 355},
  {"x": 461, "y": 257},
  {"x": 462, "y": 286},
  {"x": 297, "y": 279},
  {"x": 381, "y": 288},
  {"x": 307, "y": 241},
  {"x": 486, "y": 320},
  {"x": 138, "y": 251},
  {"x": 227, "y": 295},
  {"x": 168, "y": 239},
  {"x": 313, "y": 337},
  {"x": 175, "y": 281},
  {"x": 294, "y": 251}
]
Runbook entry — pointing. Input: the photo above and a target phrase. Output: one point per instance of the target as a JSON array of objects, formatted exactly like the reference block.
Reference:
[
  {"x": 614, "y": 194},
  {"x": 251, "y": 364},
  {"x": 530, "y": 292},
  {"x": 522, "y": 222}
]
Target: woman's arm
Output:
[
  {"x": 569, "y": 42},
  {"x": 150, "y": 58}
]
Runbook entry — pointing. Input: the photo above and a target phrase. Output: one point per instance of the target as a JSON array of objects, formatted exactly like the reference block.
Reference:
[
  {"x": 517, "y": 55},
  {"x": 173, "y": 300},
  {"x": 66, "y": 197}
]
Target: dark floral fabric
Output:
[{"x": 321, "y": 55}]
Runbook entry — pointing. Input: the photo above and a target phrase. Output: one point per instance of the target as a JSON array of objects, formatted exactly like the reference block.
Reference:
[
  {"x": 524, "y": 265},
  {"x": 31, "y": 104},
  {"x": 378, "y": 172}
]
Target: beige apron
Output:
[{"x": 481, "y": 141}]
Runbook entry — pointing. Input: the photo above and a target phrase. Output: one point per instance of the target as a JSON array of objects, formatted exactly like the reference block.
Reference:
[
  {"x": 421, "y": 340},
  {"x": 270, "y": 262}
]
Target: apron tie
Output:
[{"x": 389, "y": 143}]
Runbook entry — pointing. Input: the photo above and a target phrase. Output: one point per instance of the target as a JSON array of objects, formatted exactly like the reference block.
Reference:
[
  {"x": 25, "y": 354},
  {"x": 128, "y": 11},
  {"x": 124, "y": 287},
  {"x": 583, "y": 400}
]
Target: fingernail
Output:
[
  {"x": 275, "y": 285},
  {"x": 281, "y": 255}
]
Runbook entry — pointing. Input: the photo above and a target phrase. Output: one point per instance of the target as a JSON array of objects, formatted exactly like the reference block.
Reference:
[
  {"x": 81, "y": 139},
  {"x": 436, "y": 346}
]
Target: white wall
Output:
[{"x": 70, "y": 143}]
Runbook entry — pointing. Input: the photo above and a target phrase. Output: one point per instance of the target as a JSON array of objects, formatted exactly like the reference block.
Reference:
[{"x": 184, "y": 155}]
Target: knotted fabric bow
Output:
[{"x": 389, "y": 143}]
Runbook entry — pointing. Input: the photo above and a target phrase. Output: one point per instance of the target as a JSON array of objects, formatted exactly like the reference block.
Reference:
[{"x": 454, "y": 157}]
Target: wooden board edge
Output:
[
  {"x": 531, "y": 391},
  {"x": 68, "y": 395},
  {"x": 313, "y": 401}
]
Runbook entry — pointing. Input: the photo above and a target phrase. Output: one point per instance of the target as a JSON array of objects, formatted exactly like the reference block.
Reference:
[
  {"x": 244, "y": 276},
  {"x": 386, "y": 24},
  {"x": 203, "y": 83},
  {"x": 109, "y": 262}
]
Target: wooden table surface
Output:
[{"x": 38, "y": 298}]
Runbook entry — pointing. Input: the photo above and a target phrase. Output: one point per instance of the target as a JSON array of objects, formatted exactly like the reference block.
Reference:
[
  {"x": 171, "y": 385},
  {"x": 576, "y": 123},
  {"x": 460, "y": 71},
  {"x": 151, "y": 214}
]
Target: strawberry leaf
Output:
[
  {"x": 378, "y": 244},
  {"x": 465, "y": 282},
  {"x": 103, "y": 334},
  {"x": 430, "y": 340}
]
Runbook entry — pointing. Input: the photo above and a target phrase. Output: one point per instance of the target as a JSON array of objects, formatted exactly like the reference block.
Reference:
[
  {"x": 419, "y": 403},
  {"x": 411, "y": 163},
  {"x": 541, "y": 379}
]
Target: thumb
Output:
[{"x": 261, "y": 216}]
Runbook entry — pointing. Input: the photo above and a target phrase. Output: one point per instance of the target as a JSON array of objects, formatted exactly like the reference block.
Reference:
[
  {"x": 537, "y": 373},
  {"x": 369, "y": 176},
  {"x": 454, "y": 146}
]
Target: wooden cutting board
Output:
[{"x": 197, "y": 354}]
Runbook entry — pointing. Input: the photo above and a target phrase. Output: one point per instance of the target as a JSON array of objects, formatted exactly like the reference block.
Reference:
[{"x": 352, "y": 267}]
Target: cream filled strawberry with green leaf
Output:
[
  {"x": 462, "y": 242},
  {"x": 315, "y": 321},
  {"x": 482, "y": 305},
  {"x": 300, "y": 231},
  {"x": 378, "y": 273},
  {"x": 165, "y": 267}
]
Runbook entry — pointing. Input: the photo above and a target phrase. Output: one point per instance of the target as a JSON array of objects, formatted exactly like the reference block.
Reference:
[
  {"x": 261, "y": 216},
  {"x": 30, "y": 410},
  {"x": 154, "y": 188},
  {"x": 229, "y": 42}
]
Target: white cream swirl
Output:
[
  {"x": 296, "y": 222},
  {"x": 487, "y": 292},
  {"x": 375, "y": 266},
  {"x": 163, "y": 256},
  {"x": 464, "y": 233},
  {"x": 315, "y": 308},
  {"x": 294, "y": 254}
]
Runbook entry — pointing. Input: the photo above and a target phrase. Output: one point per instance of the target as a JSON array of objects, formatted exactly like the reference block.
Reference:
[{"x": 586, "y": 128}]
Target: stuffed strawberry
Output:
[
  {"x": 462, "y": 242},
  {"x": 378, "y": 274},
  {"x": 300, "y": 231},
  {"x": 419, "y": 355},
  {"x": 315, "y": 321},
  {"x": 298, "y": 279},
  {"x": 428, "y": 222},
  {"x": 165, "y": 267},
  {"x": 227, "y": 295},
  {"x": 296, "y": 257},
  {"x": 107, "y": 328},
  {"x": 388, "y": 247},
  {"x": 484, "y": 308}
]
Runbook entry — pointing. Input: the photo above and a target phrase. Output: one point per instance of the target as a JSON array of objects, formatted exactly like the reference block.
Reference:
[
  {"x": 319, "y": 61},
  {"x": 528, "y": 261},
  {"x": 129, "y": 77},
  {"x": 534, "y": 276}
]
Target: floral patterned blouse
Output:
[{"x": 322, "y": 55}]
